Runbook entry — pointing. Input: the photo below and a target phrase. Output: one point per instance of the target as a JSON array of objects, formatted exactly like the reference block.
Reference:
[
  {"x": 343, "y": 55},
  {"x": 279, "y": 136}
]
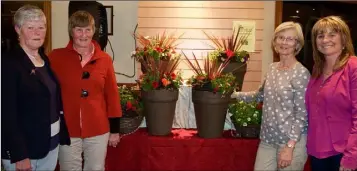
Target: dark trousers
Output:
[{"x": 327, "y": 164}]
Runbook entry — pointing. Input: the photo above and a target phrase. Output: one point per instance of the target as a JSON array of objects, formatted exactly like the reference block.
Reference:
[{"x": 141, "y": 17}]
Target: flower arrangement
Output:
[
  {"x": 159, "y": 47},
  {"x": 229, "y": 47},
  {"x": 244, "y": 114},
  {"x": 210, "y": 77},
  {"x": 160, "y": 80},
  {"x": 160, "y": 60},
  {"x": 131, "y": 102}
]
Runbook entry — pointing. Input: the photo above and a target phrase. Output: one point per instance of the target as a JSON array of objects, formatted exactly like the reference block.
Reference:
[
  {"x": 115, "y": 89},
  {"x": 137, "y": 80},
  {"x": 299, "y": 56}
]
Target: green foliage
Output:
[
  {"x": 230, "y": 47},
  {"x": 210, "y": 77},
  {"x": 224, "y": 83},
  {"x": 159, "y": 47},
  {"x": 160, "y": 60},
  {"x": 156, "y": 81},
  {"x": 131, "y": 102},
  {"x": 244, "y": 114},
  {"x": 238, "y": 56}
]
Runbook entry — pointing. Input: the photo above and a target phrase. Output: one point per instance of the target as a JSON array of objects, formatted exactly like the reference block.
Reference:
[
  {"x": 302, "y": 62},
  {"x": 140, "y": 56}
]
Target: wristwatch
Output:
[{"x": 290, "y": 145}]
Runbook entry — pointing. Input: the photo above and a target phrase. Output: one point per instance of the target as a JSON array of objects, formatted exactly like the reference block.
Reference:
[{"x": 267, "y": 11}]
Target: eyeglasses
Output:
[
  {"x": 85, "y": 75},
  {"x": 289, "y": 40}
]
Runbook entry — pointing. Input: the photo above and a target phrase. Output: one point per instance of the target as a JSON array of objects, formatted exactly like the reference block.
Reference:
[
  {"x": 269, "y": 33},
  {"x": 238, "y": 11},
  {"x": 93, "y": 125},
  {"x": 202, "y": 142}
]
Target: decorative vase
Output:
[
  {"x": 238, "y": 69},
  {"x": 210, "y": 112},
  {"x": 159, "y": 110}
]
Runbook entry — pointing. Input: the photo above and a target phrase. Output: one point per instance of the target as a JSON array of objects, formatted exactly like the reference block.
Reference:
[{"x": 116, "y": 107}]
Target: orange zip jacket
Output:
[{"x": 86, "y": 116}]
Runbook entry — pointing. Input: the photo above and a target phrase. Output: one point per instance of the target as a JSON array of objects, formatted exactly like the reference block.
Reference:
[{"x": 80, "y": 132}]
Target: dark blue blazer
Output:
[{"x": 25, "y": 109}]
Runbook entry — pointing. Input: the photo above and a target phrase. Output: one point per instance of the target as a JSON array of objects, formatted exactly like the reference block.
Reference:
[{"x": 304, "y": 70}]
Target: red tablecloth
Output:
[{"x": 182, "y": 150}]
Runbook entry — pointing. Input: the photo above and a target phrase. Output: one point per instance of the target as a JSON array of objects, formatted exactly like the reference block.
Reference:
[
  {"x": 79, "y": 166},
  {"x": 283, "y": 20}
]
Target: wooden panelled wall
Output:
[{"x": 191, "y": 17}]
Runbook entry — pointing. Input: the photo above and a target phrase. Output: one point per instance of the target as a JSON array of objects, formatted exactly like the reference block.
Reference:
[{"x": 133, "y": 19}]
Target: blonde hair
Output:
[
  {"x": 28, "y": 13},
  {"x": 336, "y": 24},
  {"x": 80, "y": 19},
  {"x": 287, "y": 26}
]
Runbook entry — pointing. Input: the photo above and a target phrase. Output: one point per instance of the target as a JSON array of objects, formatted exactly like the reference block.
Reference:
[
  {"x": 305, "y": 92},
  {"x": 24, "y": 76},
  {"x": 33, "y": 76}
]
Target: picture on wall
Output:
[
  {"x": 247, "y": 27},
  {"x": 110, "y": 16}
]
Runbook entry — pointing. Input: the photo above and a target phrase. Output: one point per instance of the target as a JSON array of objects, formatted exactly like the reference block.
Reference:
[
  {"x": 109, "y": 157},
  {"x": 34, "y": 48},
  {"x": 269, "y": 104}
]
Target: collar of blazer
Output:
[
  {"x": 97, "y": 54},
  {"x": 23, "y": 58}
]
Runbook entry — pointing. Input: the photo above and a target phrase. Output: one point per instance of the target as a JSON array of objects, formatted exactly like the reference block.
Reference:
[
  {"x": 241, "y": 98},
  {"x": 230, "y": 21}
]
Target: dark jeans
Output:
[{"x": 327, "y": 164}]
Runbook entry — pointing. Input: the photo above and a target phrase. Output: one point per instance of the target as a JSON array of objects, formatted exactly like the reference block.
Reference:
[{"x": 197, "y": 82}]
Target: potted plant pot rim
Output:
[{"x": 161, "y": 95}]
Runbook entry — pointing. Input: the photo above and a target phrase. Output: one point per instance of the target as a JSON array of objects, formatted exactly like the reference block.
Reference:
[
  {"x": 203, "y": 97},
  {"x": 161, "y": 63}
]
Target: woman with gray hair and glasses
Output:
[
  {"x": 284, "y": 120},
  {"x": 32, "y": 122}
]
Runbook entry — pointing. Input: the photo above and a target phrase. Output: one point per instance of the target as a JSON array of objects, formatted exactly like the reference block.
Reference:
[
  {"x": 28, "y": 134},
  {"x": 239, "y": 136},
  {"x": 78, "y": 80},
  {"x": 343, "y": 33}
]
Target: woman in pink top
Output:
[{"x": 331, "y": 98}]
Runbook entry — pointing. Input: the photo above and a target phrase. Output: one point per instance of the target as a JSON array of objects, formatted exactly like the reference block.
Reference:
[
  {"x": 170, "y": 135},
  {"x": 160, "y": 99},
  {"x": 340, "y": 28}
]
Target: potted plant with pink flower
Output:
[
  {"x": 159, "y": 82},
  {"x": 211, "y": 90},
  {"x": 230, "y": 47}
]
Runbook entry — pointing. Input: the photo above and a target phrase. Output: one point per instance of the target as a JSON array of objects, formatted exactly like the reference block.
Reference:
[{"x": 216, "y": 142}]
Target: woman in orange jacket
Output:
[{"x": 90, "y": 98}]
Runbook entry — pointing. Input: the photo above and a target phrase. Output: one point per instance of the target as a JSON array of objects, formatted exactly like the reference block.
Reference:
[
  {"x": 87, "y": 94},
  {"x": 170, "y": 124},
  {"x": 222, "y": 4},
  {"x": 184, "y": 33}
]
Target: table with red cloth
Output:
[{"x": 183, "y": 150}]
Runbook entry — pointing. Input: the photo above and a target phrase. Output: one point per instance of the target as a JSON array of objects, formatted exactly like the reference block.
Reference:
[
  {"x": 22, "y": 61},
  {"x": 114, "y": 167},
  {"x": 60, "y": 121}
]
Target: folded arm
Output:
[
  {"x": 299, "y": 112},
  {"x": 349, "y": 159}
]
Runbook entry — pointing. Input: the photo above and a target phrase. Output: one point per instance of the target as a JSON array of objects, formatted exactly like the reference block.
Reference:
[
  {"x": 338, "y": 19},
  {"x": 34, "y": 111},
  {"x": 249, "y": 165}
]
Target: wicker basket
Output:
[{"x": 130, "y": 124}]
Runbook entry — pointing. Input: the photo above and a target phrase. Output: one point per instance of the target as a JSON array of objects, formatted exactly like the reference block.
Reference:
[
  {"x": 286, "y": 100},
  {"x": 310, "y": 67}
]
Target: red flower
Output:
[
  {"x": 165, "y": 82},
  {"x": 158, "y": 49},
  {"x": 229, "y": 53},
  {"x": 199, "y": 78},
  {"x": 259, "y": 106},
  {"x": 173, "y": 76},
  {"x": 155, "y": 84},
  {"x": 215, "y": 89},
  {"x": 129, "y": 105}
]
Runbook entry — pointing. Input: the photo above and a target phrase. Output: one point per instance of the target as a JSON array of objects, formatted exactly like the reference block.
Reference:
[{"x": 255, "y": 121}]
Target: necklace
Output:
[
  {"x": 36, "y": 60},
  {"x": 285, "y": 68},
  {"x": 35, "y": 57}
]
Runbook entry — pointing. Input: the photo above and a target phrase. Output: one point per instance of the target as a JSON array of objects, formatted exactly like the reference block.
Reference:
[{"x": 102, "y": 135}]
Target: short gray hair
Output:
[
  {"x": 28, "y": 13},
  {"x": 294, "y": 26}
]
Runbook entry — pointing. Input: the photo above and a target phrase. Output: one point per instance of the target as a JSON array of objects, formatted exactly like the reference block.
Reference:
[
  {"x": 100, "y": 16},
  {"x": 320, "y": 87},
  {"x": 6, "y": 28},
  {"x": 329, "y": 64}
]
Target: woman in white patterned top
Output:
[{"x": 284, "y": 120}]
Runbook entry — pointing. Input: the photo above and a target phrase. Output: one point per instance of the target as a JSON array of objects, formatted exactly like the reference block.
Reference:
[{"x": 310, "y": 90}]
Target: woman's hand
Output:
[
  {"x": 114, "y": 139},
  {"x": 285, "y": 157},
  {"x": 23, "y": 165},
  {"x": 345, "y": 169},
  {"x": 234, "y": 94}
]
